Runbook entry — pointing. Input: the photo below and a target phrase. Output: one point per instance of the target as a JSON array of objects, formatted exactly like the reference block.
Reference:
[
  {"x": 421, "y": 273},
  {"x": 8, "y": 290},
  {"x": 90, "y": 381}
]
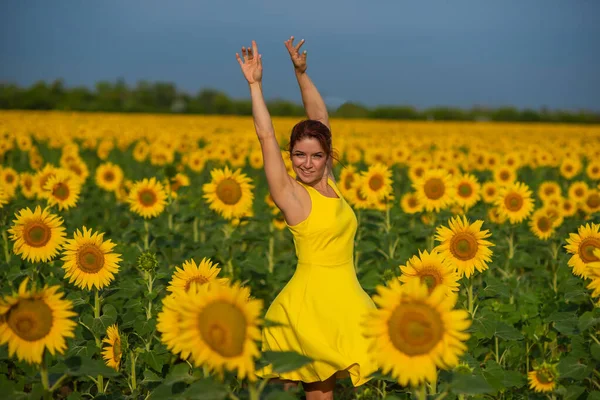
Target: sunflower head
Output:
[
  {"x": 229, "y": 193},
  {"x": 37, "y": 235},
  {"x": 543, "y": 378},
  {"x": 147, "y": 261},
  {"x": 147, "y": 198},
  {"x": 582, "y": 246},
  {"x": 113, "y": 351},
  {"x": 191, "y": 275},
  {"x": 432, "y": 270}
]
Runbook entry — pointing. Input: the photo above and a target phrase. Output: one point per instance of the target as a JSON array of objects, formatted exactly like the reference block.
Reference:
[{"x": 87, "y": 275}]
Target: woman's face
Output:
[{"x": 309, "y": 160}]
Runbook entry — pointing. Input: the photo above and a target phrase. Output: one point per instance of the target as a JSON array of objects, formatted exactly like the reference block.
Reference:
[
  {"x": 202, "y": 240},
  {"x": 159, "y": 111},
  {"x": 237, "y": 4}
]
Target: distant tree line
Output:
[{"x": 163, "y": 97}]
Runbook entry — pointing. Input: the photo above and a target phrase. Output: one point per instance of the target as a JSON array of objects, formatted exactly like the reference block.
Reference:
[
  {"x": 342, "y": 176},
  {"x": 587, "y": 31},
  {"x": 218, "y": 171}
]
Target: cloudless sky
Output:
[{"x": 526, "y": 53}]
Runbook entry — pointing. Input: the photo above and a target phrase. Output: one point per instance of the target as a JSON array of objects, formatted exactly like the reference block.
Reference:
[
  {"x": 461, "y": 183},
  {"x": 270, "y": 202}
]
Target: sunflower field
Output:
[{"x": 141, "y": 252}]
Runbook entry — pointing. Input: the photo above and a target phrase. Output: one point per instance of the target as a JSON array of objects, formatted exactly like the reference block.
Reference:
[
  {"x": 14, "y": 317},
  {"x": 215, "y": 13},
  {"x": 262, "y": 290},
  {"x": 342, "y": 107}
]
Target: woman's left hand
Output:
[{"x": 298, "y": 59}]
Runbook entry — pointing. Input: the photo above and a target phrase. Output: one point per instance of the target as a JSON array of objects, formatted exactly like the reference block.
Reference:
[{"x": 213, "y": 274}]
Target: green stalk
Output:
[
  {"x": 420, "y": 392},
  {"x": 254, "y": 395},
  {"x": 271, "y": 249},
  {"x": 133, "y": 378},
  {"x": 100, "y": 382},
  {"x": 6, "y": 252},
  {"x": 470, "y": 299},
  {"x": 44, "y": 375},
  {"x": 149, "y": 281},
  {"x": 146, "y": 234},
  {"x": 195, "y": 229},
  {"x": 497, "y": 351}
]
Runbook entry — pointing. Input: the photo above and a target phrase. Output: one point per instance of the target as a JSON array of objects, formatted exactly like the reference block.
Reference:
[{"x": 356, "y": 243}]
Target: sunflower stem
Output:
[
  {"x": 6, "y": 252},
  {"x": 133, "y": 357},
  {"x": 44, "y": 376},
  {"x": 195, "y": 229},
  {"x": 271, "y": 249},
  {"x": 146, "y": 234},
  {"x": 595, "y": 338},
  {"x": 170, "y": 220},
  {"x": 420, "y": 392},
  {"x": 58, "y": 382},
  {"x": 149, "y": 281},
  {"x": 497, "y": 352},
  {"x": 96, "y": 305},
  {"x": 470, "y": 299},
  {"x": 254, "y": 395},
  {"x": 433, "y": 385}
]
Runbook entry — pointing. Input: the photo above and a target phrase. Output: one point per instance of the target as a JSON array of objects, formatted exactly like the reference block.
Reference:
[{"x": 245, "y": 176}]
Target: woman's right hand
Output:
[{"x": 252, "y": 65}]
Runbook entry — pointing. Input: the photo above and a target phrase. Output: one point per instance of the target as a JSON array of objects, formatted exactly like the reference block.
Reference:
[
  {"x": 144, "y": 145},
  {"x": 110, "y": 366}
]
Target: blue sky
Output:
[{"x": 526, "y": 53}]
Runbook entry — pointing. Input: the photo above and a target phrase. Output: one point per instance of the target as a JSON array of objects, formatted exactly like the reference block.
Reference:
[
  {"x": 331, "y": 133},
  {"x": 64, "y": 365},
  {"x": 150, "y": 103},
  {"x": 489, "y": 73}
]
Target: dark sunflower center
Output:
[
  {"x": 147, "y": 197},
  {"x": 594, "y": 170},
  {"x": 109, "y": 176},
  {"x": 61, "y": 191},
  {"x": 593, "y": 201},
  {"x": 465, "y": 190},
  {"x": 348, "y": 181},
  {"x": 412, "y": 202},
  {"x": 30, "y": 319},
  {"x": 376, "y": 182},
  {"x": 434, "y": 188},
  {"x": 569, "y": 168},
  {"x": 544, "y": 376},
  {"x": 513, "y": 202},
  {"x": 197, "y": 281},
  {"x": 223, "y": 328},
  {"x": 360, "y": 195},
  {"x": 544, "y": 224},
  {"x": 9, "y": 178},
  {"x": 415, "y": 328},
  {"x": 431, "y": 277},
  {"x": 117, "y": 350},
  {"x": 419, "y": 172},
  {"x": 44, "y": 179},
  {"x": 463, "y": 246},
  {"x": 229, "y": 191},
  {"x": 490, "y": 191},
  {"x": 549, "y": 190},
  {"x": 37, "y": 234},
  {"x": 504, "y": 175},
  {"x": 90, "y": 258},
  {"x": 586, "y": 249},
  {"x": 579, "y": 192}
]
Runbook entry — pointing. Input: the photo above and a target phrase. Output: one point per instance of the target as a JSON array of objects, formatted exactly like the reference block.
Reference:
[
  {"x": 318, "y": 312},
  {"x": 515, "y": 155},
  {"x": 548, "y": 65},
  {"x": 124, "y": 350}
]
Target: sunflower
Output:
[
  {"x": 38, "y": 235},
  {"x": 431, "y": 269},
  {"x": 495, "y": 216},
  {"x": 503, "y": 175},
  {"x": 489, "y": 191},
  {"x": 229, "y": 193},
  {"x": 543, "y": 378},
  {"x": 140, "y": 151},
  {"x": 109, "y": 176},
  {"x": 347, "y": 177},
  {"x": 219, "y": 327},
  {"x": 353, "y": 155},
  {"x": 376, "y": 182},
  {"x": 570, "y": 167},
  {"x": 63, "y": 189},
  {"x": 577, "y": 191},
  {"x": 568, "y": 207},
  {"x": 34, "y": 320},
  {"x": 548, "y": 189},
  {"x": 541, "y": 224},
  {"x": 113, "y": 352},
  {"x": 27, "y": 185},
  {"x": 255, "y": 159},
  {"x": 278, "y": 220},
  {"x": 195, "y": 275},
  {"x": 177, "y": 182},
  {"x": 410, "y": 204},
  {"x": 463, "y": 245},
  {"x": 89, "y": 260},
  {"x": 168, "y": 324},
  {"x": 582, "y": 245},
  {"x": 591, "y": 203},
  {"x": 467, "y": 190},
  {"x": 147, "y": 198},
  {"x": 356, "y": 197},
  {"x": 197, "y": 160},
  {"x": 416, "y": 170},
  {"x": 593, "y": 170},
  {"x": 3, "y": 197},
  {"x": 79, "y": 168},
  {"x": 42, "y": 177},
  {"x": 9, "y": 179},
  {"x": 594, "y": 269},
  {"x": 435, "y": 190},
  {"x": 514, "y": 201},
  {"x": 413, "y": 331}
]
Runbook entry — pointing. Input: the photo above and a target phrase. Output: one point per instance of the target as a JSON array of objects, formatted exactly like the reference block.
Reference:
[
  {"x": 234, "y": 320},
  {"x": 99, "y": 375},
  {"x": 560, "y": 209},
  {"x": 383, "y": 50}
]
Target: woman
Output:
[{"x": 321, "y": 307}]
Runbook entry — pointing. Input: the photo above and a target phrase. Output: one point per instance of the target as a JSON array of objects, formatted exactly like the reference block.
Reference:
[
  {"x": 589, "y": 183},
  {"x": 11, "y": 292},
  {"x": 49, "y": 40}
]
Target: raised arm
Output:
[
  {"x": 311, "y": 98},
  {"x": 281, "y": 185}
]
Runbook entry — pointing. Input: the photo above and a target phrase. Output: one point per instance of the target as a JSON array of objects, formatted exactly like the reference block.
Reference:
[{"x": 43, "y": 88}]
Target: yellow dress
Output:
[{"x": 323, "y": 303}]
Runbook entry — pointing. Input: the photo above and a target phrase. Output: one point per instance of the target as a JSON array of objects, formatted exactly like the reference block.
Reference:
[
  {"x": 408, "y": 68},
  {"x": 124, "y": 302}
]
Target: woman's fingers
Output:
[
  {"x": 239, "y": 60},
  {"x": 299, "y": 45},
  {"x": 254, "y": 47}
]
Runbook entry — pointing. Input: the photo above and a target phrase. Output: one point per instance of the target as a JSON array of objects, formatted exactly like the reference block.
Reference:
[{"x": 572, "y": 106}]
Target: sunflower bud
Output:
[
  {"x": 463, "y": 369},
  {"x": 388, "y": 275},
  {"x": 147, "y": 261}
]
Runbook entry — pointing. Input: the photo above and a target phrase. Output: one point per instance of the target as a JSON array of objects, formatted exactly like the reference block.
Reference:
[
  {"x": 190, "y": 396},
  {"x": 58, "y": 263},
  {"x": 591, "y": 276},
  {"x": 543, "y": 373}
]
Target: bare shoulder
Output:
[{"x": 295, "y": 203}]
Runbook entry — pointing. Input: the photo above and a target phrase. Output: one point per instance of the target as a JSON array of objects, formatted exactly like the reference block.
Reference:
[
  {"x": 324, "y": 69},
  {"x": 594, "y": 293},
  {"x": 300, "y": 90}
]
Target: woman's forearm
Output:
[
  {"x": 260, "y": 113},
  {"x": 313, "y": 102}
]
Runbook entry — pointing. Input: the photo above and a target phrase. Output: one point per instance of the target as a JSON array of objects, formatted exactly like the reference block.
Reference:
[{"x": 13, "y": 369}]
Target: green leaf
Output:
[
  {"x": 279, "y": 395},
  {"x": 485, "y": 327},
  {"x": 570, "y": 367},
  {"x": 206, "y": 389},
  {"x": 179, "y": 373},
  {"x": 595, "y": 395},
  {"x": 285, "y": 361},
  {"x": 166, "y": 392},
  {"x": 150, "y": 376},
  {"x": 573, "y": 392},
  {"x": 78, "y": 366},
  {"x": 507, "y": 332},
  {"x": 470, "y": 384},
  {"x": 155, "y": 359},
  {"x": 595, "y": 351},
  {"x": 589, "y": 319},
  {"x": 564, "y": 322}
]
